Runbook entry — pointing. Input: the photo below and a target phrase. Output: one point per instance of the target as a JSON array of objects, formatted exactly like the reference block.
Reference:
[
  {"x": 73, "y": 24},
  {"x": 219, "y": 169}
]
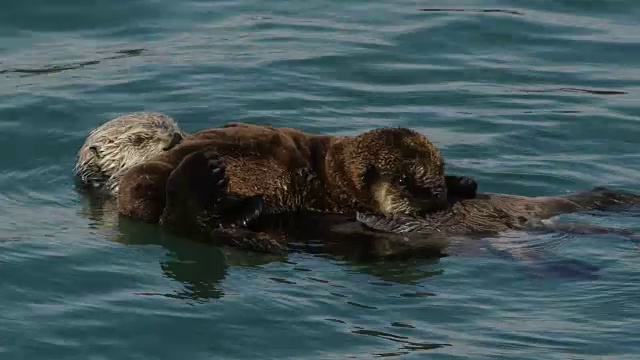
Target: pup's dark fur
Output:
[{"x": 389, "y": 171}]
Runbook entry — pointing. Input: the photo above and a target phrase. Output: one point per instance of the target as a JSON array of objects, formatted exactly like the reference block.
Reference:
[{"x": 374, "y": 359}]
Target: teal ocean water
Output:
[{"x": 529, "y": 97}]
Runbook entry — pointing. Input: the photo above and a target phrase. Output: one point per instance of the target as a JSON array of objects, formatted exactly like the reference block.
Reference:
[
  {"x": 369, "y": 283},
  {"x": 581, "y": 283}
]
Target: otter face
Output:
[
  {"x": 121, "y": 143},
  {"x": 400, "y": 171}
]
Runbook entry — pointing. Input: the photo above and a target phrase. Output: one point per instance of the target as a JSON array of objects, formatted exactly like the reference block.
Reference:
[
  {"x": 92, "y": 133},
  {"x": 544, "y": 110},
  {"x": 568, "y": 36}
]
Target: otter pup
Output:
[
  {"x": 391, "y": 170},
  {"x": 120, "y": 143}
]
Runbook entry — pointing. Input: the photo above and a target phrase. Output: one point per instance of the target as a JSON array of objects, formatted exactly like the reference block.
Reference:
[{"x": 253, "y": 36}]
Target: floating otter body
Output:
[
  {"x": 120, "y": 143},
  {"x": 384, "y": 170},
  {"x": 188, "y": 190},
  {"x": 289, "y": 158}
]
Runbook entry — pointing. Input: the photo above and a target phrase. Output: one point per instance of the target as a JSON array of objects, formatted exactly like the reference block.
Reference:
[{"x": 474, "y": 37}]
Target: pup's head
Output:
[{"x": 399, "y": 170}]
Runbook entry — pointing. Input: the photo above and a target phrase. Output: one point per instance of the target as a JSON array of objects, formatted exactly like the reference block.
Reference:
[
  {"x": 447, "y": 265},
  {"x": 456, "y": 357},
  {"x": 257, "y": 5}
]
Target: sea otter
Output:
[
  {"x": 117, "y": 146},
  {"x": 204, "y": 182},
  {"x": 389, "y": 170},
  {"x": 120, "y": 143}
]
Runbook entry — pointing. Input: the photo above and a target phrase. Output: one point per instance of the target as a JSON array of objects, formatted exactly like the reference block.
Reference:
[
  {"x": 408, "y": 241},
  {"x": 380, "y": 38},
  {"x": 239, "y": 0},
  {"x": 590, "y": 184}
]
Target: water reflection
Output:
[
  {"x": 408, "y": 272},
  {"x": 201, "y": 268}
]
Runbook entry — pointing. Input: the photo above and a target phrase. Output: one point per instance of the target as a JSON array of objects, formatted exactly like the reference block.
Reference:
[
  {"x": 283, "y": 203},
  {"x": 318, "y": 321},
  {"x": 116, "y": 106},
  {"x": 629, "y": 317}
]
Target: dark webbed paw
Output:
[
  {"x": 200, "y": 178},
  {"x": 218, "y": 176},
  {"x": 232, "y": 209},
  {"x": 461, "y": 187},
  {"x": 193, "y": 191},
  {"x": 240, "y": 210}
]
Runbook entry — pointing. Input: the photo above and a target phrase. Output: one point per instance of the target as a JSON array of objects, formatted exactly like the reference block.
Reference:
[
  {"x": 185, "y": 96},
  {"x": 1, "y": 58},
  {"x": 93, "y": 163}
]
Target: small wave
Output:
[
  {"x": 49, "y": 69},
  {"x": 502, "y": 11},
  {"x": 577, "y": 90}
]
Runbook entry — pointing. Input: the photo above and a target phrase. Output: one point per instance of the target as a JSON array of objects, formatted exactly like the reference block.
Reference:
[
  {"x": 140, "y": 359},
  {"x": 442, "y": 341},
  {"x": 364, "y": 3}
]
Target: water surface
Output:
[{"x": 533, "y": 100}]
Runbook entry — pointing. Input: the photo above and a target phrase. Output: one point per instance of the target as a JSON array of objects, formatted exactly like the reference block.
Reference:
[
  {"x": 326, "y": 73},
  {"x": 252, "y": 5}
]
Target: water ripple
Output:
[{"x": 532, "y": 99}]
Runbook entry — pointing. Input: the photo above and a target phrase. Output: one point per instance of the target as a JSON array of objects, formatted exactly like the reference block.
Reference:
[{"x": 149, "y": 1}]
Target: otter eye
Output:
[
  {"x": 137, "y": 140},
  {"x": 403, "y": 181},
  {"x": 94, "y": 150}
]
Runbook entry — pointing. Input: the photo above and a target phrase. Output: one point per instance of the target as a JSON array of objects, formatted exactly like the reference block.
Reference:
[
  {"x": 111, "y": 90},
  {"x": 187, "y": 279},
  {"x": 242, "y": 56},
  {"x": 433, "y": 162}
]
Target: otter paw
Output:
[
  {"x": 461, "y": 187},
  {"x": 219, "y": 180},
  {"x": 199, "y": 177},
  {"x": 237, "y": 210}
]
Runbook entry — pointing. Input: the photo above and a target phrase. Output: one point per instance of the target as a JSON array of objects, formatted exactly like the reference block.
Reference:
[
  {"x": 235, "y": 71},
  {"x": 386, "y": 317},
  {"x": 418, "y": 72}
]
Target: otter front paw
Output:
[
  {"x": 199, "y": 178},
  {"x": 193, "y": 191},
  {"x": 218, "y": 180},
  {"x": 461, "y": 187}
]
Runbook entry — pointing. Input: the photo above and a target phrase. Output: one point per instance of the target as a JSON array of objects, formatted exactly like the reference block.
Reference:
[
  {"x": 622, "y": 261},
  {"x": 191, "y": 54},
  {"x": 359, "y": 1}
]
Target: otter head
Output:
[
  {"x": 396, "y": 171},
  {"x": 121, "y": 143}
]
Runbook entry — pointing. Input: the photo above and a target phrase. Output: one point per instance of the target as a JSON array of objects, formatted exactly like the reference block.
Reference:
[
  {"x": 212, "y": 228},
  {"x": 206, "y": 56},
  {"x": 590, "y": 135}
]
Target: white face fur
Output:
[{"x": 121, "y": 143}]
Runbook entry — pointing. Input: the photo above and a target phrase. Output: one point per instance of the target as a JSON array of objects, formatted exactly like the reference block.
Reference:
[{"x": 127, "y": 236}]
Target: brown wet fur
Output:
[
  {"x": 295, "y": 171},
  {"x": 180, "y": 190},
  {"x": 268, "y": 170}
]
